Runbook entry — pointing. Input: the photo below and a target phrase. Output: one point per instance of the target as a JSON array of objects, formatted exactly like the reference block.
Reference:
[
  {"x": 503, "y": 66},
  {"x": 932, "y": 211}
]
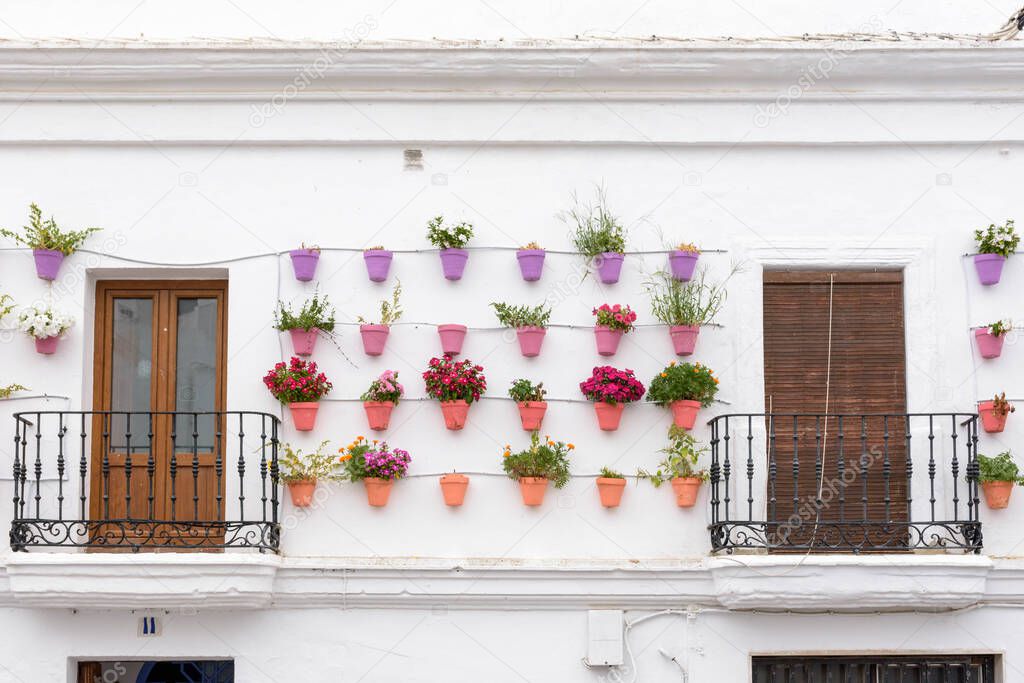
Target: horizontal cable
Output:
[
  {"x": 500, "y": 398},
  {"x": 568, "y": 326}
]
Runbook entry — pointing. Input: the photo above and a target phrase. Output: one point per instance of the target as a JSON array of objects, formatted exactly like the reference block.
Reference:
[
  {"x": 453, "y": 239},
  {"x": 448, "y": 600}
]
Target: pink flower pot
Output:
[
  {"x": 374, "y": 338},
  {"x": 531, "y": 414},
  {"x": 684, "y": 413},
  {"x": 989, "y": 345},
  {"x": 989, "y": 267},
  {"x": 304, "y": 263},
  {"x": 47, "y": 262},
  {"x": 304, "y": 341},
  {"x": 607, "y": 340},
  {"x": 452, "y": 337},
  {"x": 608, "y": 415},
  {"x": 455, "y": 414},
  {"x": 530, "y": 340},
  {"x": 609, "y": 267},
  {"x": 302, "y": 492},
  {"x": 531, "y": 263},
  {"x": 453, "y": 263},
  {"x": 304, "y": 415},
  {"x": 47, "y": 346},
  {"x": 990, "y": 421},
  {"x": 684, "y": 338},
  {"x": 378, "y": 414},
  {"x": 378, "y": 263},
  {"x": 683, "y": 263}
]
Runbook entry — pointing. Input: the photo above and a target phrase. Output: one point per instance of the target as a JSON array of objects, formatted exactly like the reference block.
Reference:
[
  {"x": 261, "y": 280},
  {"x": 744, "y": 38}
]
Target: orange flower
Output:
[
  {"x": 716, "y": 380},
  {"x": 570, "y": 446},
  {"x": 508, "y": 453},
  {"x": 664, "y": 374}
]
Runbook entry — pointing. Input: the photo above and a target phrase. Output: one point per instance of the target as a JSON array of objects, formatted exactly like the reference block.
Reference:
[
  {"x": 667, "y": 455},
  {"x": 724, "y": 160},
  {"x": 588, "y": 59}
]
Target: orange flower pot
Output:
[
  {"x": 684, "y": 413},
  {"x": 610, "y": 489},
  {"x": 455, "y": 413},
  {"x": 302, "y": 492},
  {"x": 377, "y": 491},
  {"x": 378, "y": 414},
  {"x": 531, "y": 414},
  {"x": 453, "y": 488},
  {"x": 532, "y": 490},
  {"x": 304, "y": 415},
  {"x": 608, "y": 415},
  {"x": 997, "y": 493},
  {"x": 686, "y": 489},
  {"x": 990, "y": 420}
]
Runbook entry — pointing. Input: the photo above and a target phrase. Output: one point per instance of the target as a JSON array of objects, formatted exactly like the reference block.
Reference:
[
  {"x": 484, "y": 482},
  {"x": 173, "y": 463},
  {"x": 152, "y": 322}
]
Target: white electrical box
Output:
[{"x": 604, "y": 637}]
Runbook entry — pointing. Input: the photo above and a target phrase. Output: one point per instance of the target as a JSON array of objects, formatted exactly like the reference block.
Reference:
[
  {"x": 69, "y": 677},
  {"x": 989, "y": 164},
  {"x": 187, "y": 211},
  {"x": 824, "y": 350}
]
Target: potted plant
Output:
[
  {"x": 598, "y": 236},
  {"x": 381, "y": 398},
  {"x": 610, "y": 486},
  {"x": 994, "y": 413},
  {"x": 298, "y": 385},
  {"x": 995, "y": 244},
  {"x": 300, "y": 473},
  {"x": 49, "y": 244},
  {"x": 684, "y": 306},
  {"x": 684, "y": 389},
  {"x": 611, "y": 389},
  {"x": 529, "y": 322},
  {"x": 378, "y": 263},
  {"x": 45, "y": 325},
  {"x": 531, "y": 261},
  {"x": 450, "y": 241},
  {"x": 452, "y": 337},
  {"x": 375, "y": 335},
  {"x": 376, "y": 465},
  {"x": 456, "y": 385},
  {"x": 533, "y": 468},
  {"x": 990, "y": 338},
  {"x": 998, "y": 475},
  {"x": 529, "y": 398},
  {"x": 315, "y": 316},
  {"x": 681, "y": 457},
  {"x": 612, "y": 322},
  {"x": 682, "y": 260},
  {"x": 304, "y": 262},
  {"x": 10, "y": 390},
  {"x": 453, "y": 488}
]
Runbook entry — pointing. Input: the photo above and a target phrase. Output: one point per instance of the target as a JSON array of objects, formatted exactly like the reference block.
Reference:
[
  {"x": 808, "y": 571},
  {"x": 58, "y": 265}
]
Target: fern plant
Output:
[
  {"x": 43, "y": 233},
  {"x": 390, "y": 311}
]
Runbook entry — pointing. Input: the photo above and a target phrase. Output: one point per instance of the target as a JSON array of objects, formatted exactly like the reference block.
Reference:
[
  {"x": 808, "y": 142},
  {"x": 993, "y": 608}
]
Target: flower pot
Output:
[
  {"x": 684, "y": 338},
  {"x": 989, "y": 267},
  {"x": 686, "y": 489},
  {"x": 453, "y": 488},
  {"x": 378, "y": 414},
  {"x": 684, "y": 413},
  {"x": 374, "y": 338},
  {"x": 997, "y": 493},
  {"x": 304, "y": 263},
  {"x": 304, "y": 415},
  {"x": 453, "y": 262},
  {"x": 531, "y": 263},
  {"x": 609, "y": 266},
  {"x": 990, "y": 421},
  {"x": 531, "y": 414},
  {"x": 682, "y": 263},
  {"x": 989, "y": 345},
  {"x": 607, "y": 340},
  {"x": 455, "y": 413},
  {"x": 304, "y": 341},
  {"x": 377, "y": 491},
  {"x": 608, "y": 415},
  {"x": 302, "y": 492},
  {"x": 47, "y": 345},
  {"x": 610, "y": 489},
  {"x": 452, "y": 337},
  {"x": 532, "y": 489},
  {"x": 378, "y": 263},
  {"x": 530, "y": 340},
  {"x": 47, "y": 262}
]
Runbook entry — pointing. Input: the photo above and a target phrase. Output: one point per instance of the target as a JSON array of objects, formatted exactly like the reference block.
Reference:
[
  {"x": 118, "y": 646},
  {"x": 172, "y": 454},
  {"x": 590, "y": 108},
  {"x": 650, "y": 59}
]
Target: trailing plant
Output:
[
  {"x": 997, "y": 239},
  {"x": 390, "y": 311},
  {"x": 611, "y": 385},
  {"x": 385, "y": 388},
  {"x": 998, "y": 468},
  {"x": 315, "y": 314},
  {"x": 594, "y": 230},
  {"x": 297, "y": 381},
  {"x": 1000, "y": 406},
  {"x": 683, "y": 382},
  {"x": 522, "y": 316},
  {"x": 10, "y": 390},
  {"x": 547, "y": 460},
  {"x": 46, "y": 234},
  {"x": 996, "y": 329},
  {"x": 681, "y": 456},
  {"x": 523, "y": 391},
  {"x": 448, "y": 380},
  {"x": 692, "y": 303},
  {"x": 608, "y": 473},
  {"x": 364, "y": 459},
  {"x": 45, "y": 322},
  {"x": 443, "y": 237},
  {"x": 615, "y": 317},
  {"x": 317, "y": 466}
]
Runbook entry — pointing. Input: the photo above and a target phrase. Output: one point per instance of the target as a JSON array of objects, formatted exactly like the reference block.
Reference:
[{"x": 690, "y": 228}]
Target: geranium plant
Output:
[
  {"x": 612, "y": 386},
  {"x": 456, "y": 384},
  {"x": 44, "y": 322},
  {"x": 523, "y": 391},
  {"x": 683, "y": 382},
  {"x": 445, "y": 237},
  {"x": 997, "y": 239},
  {"x": 386, "y": 388},
  {"x": 47, "y": 235},
  {"x": 314, "y": 314},
  {"x": 615, "y": 317},
  {"x": 299, "y": 385},
  {"x": 522, "y": 316}
]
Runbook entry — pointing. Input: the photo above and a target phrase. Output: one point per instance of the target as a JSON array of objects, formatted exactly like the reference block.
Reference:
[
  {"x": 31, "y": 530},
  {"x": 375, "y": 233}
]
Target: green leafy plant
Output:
[
  {"x": 522, "y": 316},
  {"x": 548, "y": 460},
  {"x": 683, "y": 382},
  {"x": 10, "y": 390},
  {"x": 443, "y": 237},
  {"x": 6, "y": 305},
  {"x": 316, "y": 313},
  {"x": 595, "y": 230},
  {"x": 696, "y": 302},
  {"x": 996, "y": 329},
  {"x": 999, "y": 468},
  {"x": 390, "y": 311},
  {"x": 46, "y": 234},
  {"x": 609, "y": 473},
  {"x": 681, "y": 456},
  {"x": 317, "y": 466},
  {"x": 523, "y": 390},
  {"x": 997, "y": 239}
]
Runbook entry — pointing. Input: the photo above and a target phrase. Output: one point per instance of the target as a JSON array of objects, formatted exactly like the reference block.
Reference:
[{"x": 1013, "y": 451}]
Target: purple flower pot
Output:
[
  {"x": 609, "y": 266},
  {"x": 47, "y": 346},
  {"x": 531, "y": 263},
  {"x": 453, "y": 261},
  {"x": 683, "y": 263},
  {"x": 47, "y": 263},
  {"x": 990, "y": 267},
  {"x": 304, "y": 263},
  {"x": 378, "y": 263},
  {"x": 452, "y": 337}
]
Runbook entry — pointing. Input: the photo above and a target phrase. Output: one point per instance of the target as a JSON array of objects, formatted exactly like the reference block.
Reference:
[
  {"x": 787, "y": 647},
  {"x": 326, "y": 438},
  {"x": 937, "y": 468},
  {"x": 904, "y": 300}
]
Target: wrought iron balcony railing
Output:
[
  {"x": 844, "y": 483},
  {"x": 146, "y": 480}
]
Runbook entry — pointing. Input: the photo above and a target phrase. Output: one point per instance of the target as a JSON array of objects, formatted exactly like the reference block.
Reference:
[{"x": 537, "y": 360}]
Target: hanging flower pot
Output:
[
  {"x": 995, "y": 243},
  {"x": 378, "y": 263},
  {"x": 453, "y": 263},
  {"x": 610, "y": 489},
  {"x": 531, "y": 263},
  {"x": 682, "y": 263},
  {"x": 374, "y": 338},
  {"x": 610, "y": 389},
  {"x": 47, "y": 345},
  {"x": 532, "y": 489},
  {"x": 531, "y": 414},
  {"x": 304, "y": 341},
  {"x": 452, "y": 337},
  {"x": 304, "y": 262},
  {"x": 994, "y": 413},
  {"x": 304, "y": 415},
  {"x": 612, "y": 322},
  {"x": 607, "y": 340},
  {"x": 684, "y": 388},
  {"x": 453, "y": 488},
  {"x": 450, "y": 242},
  {"x": 48, "y": 262},
  {"x": 455, "y": 384},
  {"x": 455, "y": 414},
  {"x": 684, "y": 338},
  {"x": 44, "y": 324},
  {"x": 997, "y": 493},
  {"x": 530, "y": 340},
  {"x": 378, "y": 414},
  {"x": 299, "y": 385},
  {"x": 989, "y": 267},
  {"x": 609, "y": 267},
  {"x": 609, "y": 415},
  {"x": 989, "y": 345},
  {"x": 301, "y": 492},
  {"x": 377, "y": 491},
  {"x": 684, "y": 413},
  {"x": 686, "y": 489}
]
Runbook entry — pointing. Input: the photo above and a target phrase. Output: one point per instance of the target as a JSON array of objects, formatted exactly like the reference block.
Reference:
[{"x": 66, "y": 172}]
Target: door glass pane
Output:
[
  {"x": 196, "y": 373},
  {"x": 131, "y": 372}
]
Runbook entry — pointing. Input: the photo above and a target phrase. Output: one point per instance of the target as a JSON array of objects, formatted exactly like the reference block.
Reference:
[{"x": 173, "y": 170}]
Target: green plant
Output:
[
  {"x": 681, "y": 456},
  {"x": 997, "y": 239},
  {"x": 316, "y": 313},
  {"x": 996, "y": 329},
  {"x": 45, "y": 234},
  {"x": 6, "y": 305},
  {"x": 364, "y": 459},
  {"x": 522, "y": 316},
  {"x": 609, "y": 473},
  {"x": 10, "y": 390},
  {"x": 595, "y": 230},
  {"x": 317, "y": 466},
  {"x": 385, "y": 388},
  {"x": 443, "y": 237},
  {"x": 390, "y": 311},
  {"x": 696, "y": 302},
  {"x": 523, "y": 390},
  {"x": 547, "y": 460},
  {"x": 683, "y": 382},
  {"x": 998, "y": 468}
]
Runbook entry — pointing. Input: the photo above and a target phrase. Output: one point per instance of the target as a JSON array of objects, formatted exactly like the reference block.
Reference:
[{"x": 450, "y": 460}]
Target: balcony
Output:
[
  {"x": 171, "y": 481},
  {"x": 853, "y": 483}
]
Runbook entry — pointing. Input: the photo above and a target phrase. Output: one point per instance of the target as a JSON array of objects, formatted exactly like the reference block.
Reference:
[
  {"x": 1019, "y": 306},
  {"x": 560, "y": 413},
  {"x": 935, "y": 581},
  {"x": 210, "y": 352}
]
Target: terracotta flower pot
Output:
[
  {"x": 531, "y": 263},
  {"x": 47, "y": 262},
  {"x": 304, "y": 415},
  {"x": 377, "y": 491},
  {"x": 304, "y": 341},
  {"x": 453, "y": 262},
  {"x": 610, "y": 489},
  {"x": 531, "y": 414},
  {"x": 608, "y": 415},
  {"x": 302, "y": 492},
  {"x": 989, "y": 267},
  {"x": 452, "y": 337},
  {"x": 378, "y": 263},
  {"x": 989, "y": 345},
  {"x": 47, "y": 345},
  {"x": 683, "y": 263},
  {"x": 997, "y": 493},
  {"x": 453, "y": 488},
  {"x": 374, "y": 338},
  {"x": 378, "y": 414},
  {"x": 990, "y": 421},
  {"x": 686, "y": 489},
  {"x": 532, "y": 489},
  {"x": 684, "y": 338},
  {"x": 609, "y": 267},
  {"x": 455, "y": 413},
  {"x": 530, "y": 340},
  {"x": 684, "y": 413},
  {"x": 304, "y": 263},
  {"x": 607, "y": 340}
]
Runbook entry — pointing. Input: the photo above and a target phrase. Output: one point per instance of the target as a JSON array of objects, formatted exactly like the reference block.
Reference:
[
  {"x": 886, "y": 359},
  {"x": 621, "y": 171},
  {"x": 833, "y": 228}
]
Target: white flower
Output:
[{"x": 44, "y": 322}]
